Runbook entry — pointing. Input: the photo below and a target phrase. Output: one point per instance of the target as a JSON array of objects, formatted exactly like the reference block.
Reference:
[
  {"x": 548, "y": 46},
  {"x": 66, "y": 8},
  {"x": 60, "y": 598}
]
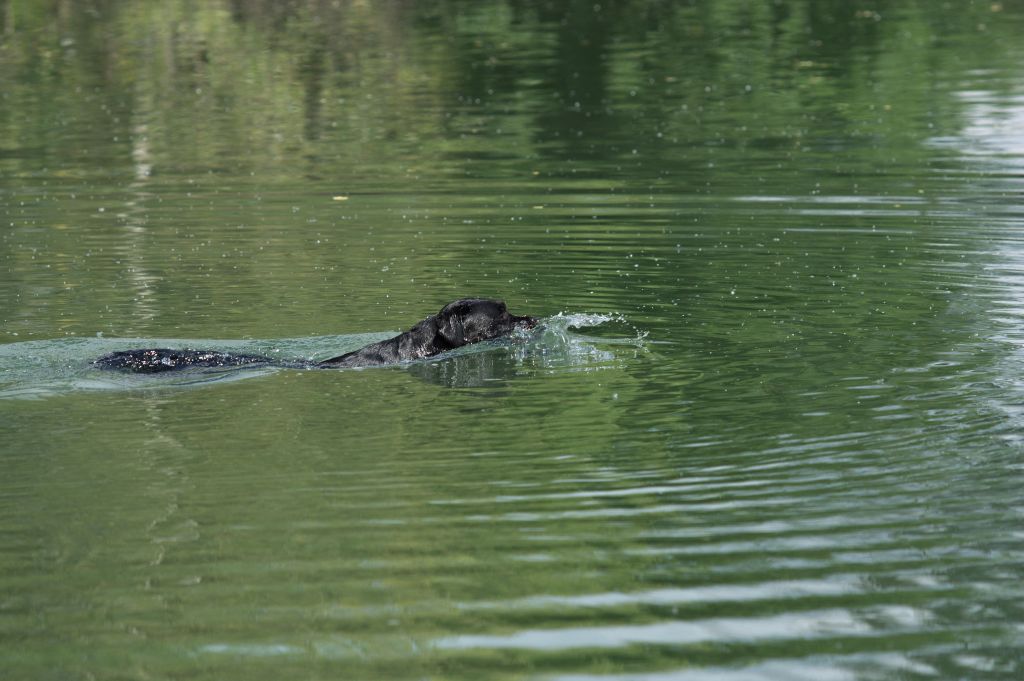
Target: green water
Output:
[{"x": 771, "y": 428}]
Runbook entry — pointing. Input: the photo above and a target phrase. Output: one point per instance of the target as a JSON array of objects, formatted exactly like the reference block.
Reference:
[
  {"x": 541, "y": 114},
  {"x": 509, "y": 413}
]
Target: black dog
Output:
[{"x": 457, "y": 324}]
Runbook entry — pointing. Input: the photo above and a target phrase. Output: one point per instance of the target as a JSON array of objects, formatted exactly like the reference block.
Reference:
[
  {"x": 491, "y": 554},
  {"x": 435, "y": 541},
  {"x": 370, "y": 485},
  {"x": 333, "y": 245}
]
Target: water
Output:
[{"x": 770, "y": 428}]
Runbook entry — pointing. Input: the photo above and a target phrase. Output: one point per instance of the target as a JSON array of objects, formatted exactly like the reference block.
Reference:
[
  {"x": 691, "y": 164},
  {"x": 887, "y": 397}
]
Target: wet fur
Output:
[{"x": 457, "y": 324}]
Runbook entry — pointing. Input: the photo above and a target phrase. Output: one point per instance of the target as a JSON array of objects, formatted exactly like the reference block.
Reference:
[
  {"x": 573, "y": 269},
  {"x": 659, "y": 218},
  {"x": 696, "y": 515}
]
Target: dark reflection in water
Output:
[
  {"x": 770, "y": 430},
  {"x": 475, "y": 370}
]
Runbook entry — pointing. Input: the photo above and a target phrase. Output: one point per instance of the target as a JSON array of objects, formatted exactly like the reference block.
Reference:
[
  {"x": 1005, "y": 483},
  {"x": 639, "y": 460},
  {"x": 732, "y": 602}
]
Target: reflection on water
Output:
[{"x": 769, "y": 428}]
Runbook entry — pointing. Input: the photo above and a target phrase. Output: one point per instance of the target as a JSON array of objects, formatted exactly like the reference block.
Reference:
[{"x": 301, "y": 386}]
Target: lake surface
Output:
[{"x": 771, "y": 427}]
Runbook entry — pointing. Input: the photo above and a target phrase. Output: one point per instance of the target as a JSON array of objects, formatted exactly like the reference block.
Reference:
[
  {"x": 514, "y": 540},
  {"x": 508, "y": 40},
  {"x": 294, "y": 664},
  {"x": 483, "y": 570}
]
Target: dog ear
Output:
[{"x": 451, "y": 329}]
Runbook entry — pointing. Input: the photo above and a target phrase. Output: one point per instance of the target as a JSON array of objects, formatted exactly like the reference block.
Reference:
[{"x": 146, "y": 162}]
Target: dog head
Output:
[{"x": 474, "y": 319}]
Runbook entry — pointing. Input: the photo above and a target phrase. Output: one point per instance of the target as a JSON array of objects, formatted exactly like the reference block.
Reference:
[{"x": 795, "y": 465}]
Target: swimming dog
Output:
[{"x": 459, "y": 323}]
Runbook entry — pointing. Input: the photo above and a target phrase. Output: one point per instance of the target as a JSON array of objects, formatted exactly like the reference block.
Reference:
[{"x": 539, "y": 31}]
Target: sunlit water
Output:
[{"x": 770, "y": 427}]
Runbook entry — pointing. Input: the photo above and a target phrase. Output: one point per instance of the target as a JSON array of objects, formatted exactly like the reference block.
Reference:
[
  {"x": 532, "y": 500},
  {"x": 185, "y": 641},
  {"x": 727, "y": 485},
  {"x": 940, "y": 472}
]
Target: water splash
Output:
[{"x": 557, "y": 345}]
